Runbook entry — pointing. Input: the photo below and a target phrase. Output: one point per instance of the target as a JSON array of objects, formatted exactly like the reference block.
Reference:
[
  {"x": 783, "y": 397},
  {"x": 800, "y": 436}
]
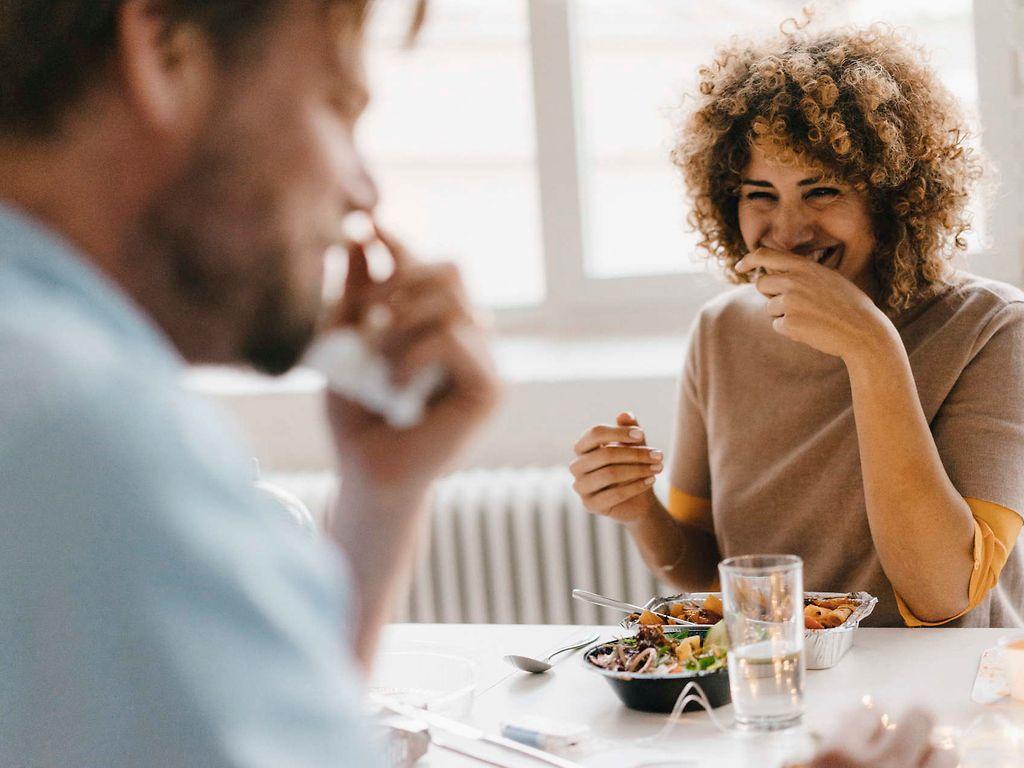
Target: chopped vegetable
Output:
[
  {"x": 651, "y": 651},
  {"x": 717, "y": 637}
]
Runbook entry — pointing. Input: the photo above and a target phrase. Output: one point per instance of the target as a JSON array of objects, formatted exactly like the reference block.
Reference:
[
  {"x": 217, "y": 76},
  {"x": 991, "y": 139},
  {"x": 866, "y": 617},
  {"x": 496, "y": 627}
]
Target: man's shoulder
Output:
[
  {"x": 49, "y": 342},
  {"x": 78, "y": 401}
]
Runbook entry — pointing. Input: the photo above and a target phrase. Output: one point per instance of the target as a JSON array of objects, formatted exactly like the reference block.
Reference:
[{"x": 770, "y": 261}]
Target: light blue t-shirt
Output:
[{"x": 155, "y": 609}]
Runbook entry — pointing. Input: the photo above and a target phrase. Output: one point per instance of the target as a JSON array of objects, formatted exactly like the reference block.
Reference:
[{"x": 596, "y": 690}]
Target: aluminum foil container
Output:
[{"x": 823, "y": 648}]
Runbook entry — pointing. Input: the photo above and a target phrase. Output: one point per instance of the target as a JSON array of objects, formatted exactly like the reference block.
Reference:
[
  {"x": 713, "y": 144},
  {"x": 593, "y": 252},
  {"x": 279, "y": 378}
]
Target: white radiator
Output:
[{"x": 508, "y": 546}]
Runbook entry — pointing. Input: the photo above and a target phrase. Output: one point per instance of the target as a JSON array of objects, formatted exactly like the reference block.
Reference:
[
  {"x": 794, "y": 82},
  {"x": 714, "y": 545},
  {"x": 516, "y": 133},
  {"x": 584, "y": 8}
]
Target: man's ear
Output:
[{"x": 169, "y": 73}]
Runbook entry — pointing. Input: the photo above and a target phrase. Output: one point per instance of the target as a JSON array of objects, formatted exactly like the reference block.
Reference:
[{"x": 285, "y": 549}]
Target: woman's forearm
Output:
[
  {"x": 681, "y": 554},
  {"x": 921, "y": 526}
]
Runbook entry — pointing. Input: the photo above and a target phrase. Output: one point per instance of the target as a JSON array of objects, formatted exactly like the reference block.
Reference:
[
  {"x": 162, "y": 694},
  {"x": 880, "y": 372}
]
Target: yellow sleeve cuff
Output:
[
  {"x": 996, "y": 529},
  {"x": 690, "y": 510}
]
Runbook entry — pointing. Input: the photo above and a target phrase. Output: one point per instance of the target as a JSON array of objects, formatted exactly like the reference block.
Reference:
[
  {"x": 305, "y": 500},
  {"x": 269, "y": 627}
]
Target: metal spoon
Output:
[
  {"x": 620, "y": 605},
  {"x": 537, "y": 666}
]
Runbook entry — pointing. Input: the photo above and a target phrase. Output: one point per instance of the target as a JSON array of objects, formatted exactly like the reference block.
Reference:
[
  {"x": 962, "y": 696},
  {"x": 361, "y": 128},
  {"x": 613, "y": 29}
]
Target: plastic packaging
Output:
[
  {"x": 402, "y": 740},
  {"x": 290, "y": 504},
  {"x": 434, "y": 680},
  {"x": 545, "y": 733}
]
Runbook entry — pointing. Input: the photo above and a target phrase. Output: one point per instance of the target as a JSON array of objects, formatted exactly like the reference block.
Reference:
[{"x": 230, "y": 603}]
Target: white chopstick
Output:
[
  {"x": 466, "y": 753},
  {"x": 454, "y": 727}
]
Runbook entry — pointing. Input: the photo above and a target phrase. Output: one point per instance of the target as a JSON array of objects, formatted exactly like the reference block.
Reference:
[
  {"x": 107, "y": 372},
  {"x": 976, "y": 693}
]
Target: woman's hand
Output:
[
  {"x": 816, "y": 305},
  {"x": 615, "y": 470}
]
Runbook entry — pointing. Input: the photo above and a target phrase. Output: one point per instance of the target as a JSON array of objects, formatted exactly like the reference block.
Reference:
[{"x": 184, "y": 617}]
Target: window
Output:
[
  {"x": 449, "y": 133},
  {"x": 636, "y": 60},
  {"x": 529, "y": 139}
]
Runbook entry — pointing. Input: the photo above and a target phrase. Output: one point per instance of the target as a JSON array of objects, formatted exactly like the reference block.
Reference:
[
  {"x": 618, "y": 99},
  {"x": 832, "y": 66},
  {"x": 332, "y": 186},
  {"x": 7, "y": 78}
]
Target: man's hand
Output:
[
  {"x": 427, "y": 319},
  {"x": 419, "y": 316},
  {"x": 816, "y": 305}
]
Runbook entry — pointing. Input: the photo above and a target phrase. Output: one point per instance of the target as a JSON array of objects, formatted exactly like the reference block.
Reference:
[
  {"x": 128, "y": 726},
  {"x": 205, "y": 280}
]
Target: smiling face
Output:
[{"x": 799, "y": 210}]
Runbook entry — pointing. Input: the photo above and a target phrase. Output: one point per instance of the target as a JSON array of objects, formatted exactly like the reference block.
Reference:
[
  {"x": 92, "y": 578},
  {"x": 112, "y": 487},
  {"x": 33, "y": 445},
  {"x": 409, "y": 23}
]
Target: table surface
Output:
[{"x": 897, "y": 667}]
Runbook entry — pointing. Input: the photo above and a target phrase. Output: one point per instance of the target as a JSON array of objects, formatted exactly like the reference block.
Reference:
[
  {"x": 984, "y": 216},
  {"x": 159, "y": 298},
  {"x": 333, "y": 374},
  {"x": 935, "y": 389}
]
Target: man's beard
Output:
[
  {"x": 277, "y": 337},
  {"x": 224, "y": 259}
]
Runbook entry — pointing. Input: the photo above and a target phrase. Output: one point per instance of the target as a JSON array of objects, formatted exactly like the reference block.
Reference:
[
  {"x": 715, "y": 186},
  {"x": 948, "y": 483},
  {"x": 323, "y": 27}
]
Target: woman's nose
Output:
[{"x": 789, "y": 230}]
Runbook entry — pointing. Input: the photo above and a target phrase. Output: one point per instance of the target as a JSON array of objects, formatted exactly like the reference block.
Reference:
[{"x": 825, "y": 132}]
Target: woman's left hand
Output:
[{"x": 816, "y": 305}]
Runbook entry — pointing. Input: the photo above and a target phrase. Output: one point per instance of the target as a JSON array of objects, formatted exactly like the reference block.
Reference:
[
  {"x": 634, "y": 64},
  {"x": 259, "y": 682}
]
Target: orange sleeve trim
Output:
[
  {"x": 691, "y": 510},
  {"x": 996, "y": 529}
]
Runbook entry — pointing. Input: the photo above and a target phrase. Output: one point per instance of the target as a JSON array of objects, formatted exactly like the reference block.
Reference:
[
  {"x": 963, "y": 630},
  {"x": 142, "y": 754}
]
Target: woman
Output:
[{"x": 857, "y": 402}]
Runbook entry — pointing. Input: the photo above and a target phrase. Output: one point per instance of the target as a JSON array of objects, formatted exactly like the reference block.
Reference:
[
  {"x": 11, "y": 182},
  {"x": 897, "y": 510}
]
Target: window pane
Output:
[
  {"x": 636, "y": 61},
  {"x": 450, "y": 137}
]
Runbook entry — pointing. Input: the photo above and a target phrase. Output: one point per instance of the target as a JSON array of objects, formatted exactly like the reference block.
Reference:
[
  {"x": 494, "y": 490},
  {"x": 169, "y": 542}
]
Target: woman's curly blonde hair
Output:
[{"x": 863, "y": 104}]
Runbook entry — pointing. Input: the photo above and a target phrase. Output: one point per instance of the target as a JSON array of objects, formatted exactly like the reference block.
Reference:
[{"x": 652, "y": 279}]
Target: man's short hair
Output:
[{"x": 53, "y": 51}]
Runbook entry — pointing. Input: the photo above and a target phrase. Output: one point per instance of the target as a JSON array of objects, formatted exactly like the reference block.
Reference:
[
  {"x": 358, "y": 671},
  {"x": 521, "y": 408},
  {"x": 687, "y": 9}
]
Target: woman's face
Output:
[{"x": 795, "y": 210}]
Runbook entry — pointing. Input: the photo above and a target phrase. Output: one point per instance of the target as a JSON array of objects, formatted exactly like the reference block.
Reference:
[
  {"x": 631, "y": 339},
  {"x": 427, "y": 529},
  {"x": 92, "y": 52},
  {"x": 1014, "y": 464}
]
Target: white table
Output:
[{"x": 900, "y": 667}]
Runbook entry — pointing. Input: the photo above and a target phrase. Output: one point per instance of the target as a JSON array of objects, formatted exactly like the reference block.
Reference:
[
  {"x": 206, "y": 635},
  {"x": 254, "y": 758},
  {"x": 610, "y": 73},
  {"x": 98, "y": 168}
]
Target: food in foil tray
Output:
[
  {"x": 705, "y": 612},
  {"x": 828, "y": 613},
  {"x": 819, "y": 612}
]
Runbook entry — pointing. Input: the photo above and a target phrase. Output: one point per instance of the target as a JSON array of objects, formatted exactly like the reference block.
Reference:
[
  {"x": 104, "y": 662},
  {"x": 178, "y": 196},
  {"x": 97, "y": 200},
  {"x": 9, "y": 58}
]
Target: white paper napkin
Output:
[
  {"x": 354, "y": 371},
  {"x": 990, "y": 685}
]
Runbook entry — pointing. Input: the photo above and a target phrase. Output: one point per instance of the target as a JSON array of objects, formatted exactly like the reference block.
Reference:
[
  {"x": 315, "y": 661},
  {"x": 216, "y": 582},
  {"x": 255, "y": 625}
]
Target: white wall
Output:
[{"x": 555, "y": 389}]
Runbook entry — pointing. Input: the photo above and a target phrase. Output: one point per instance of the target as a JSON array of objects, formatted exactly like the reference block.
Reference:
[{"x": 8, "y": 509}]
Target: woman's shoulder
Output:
[
  {"x": 980, "y": 302},
  {"x": 973, "y": 291},
  {"x": 967, "y": 309}
]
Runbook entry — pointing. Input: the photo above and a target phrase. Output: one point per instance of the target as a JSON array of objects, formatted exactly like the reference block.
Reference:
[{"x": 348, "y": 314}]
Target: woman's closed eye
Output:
[
  {"x": 822, "y": 193},
  {"x": 757, "y": 195}
]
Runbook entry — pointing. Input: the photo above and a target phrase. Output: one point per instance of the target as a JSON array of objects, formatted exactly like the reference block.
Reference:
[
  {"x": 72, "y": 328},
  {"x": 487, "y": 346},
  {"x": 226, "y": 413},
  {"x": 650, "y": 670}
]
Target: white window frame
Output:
[
  {"x": 999, "y": 55},
  {"x": 575, "y": 301}
]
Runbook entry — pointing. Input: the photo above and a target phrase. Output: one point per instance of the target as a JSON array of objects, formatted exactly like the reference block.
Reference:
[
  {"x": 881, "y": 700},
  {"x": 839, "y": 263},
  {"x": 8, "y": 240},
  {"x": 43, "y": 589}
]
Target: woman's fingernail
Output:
[
  {"x": 657, "y": 455},
  {"x": 648, "y": 481},
  {"x": 739, "y": 264},
  {"x": 636, "y": 434},
  {"x": 657, "y": 468}
]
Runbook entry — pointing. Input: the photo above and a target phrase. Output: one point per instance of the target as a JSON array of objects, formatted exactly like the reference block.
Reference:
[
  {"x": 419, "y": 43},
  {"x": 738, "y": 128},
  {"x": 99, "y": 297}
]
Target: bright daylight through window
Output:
[{"x": 452, "y": 133}]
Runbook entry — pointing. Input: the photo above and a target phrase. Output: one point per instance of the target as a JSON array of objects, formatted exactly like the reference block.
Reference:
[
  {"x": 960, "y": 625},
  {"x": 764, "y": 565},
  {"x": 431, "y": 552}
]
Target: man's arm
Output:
[
  {"x": 386, "y": 473},
  {"x": 159, "y": 610}
]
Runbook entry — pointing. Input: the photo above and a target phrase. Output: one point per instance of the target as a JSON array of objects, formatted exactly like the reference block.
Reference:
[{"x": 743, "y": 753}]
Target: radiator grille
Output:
[{"x": 507, "y": 546}]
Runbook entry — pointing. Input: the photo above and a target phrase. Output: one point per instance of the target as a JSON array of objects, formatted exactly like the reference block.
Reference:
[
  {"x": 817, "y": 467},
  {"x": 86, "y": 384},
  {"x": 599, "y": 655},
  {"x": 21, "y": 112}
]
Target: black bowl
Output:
[{"x": 658, "y": 693}]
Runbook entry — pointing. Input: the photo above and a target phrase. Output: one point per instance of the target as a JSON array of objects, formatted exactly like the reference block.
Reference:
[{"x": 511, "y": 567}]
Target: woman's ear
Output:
[{"x": 169, "y": 71}]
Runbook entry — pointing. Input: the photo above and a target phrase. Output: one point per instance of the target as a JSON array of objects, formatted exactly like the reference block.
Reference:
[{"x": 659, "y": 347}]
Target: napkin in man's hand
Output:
[{"x": 358, "y": 373}]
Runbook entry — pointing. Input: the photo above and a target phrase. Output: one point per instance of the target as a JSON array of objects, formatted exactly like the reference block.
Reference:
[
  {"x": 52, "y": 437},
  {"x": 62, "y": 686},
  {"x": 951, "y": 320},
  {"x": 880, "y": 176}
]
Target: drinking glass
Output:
[
  {"x": 763, "y": 600},
  {"x": 1011, "y": 652}
]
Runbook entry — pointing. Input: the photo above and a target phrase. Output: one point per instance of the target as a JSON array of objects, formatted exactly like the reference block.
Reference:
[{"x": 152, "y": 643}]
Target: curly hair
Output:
[{"x": 860, "y": 103}]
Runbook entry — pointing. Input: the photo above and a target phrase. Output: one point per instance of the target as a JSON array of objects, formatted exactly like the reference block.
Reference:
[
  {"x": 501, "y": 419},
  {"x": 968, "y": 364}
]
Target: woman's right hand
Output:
[{"x": 614, "y": 470}]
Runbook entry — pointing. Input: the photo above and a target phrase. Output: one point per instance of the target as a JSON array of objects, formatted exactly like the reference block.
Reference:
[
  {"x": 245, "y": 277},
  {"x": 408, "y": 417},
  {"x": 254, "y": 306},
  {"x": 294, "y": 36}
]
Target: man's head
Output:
[{"x": 233, "y": 121}]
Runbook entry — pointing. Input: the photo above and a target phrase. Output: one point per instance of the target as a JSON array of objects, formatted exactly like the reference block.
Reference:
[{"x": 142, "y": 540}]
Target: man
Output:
[{"x": 171, "y": 172}]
